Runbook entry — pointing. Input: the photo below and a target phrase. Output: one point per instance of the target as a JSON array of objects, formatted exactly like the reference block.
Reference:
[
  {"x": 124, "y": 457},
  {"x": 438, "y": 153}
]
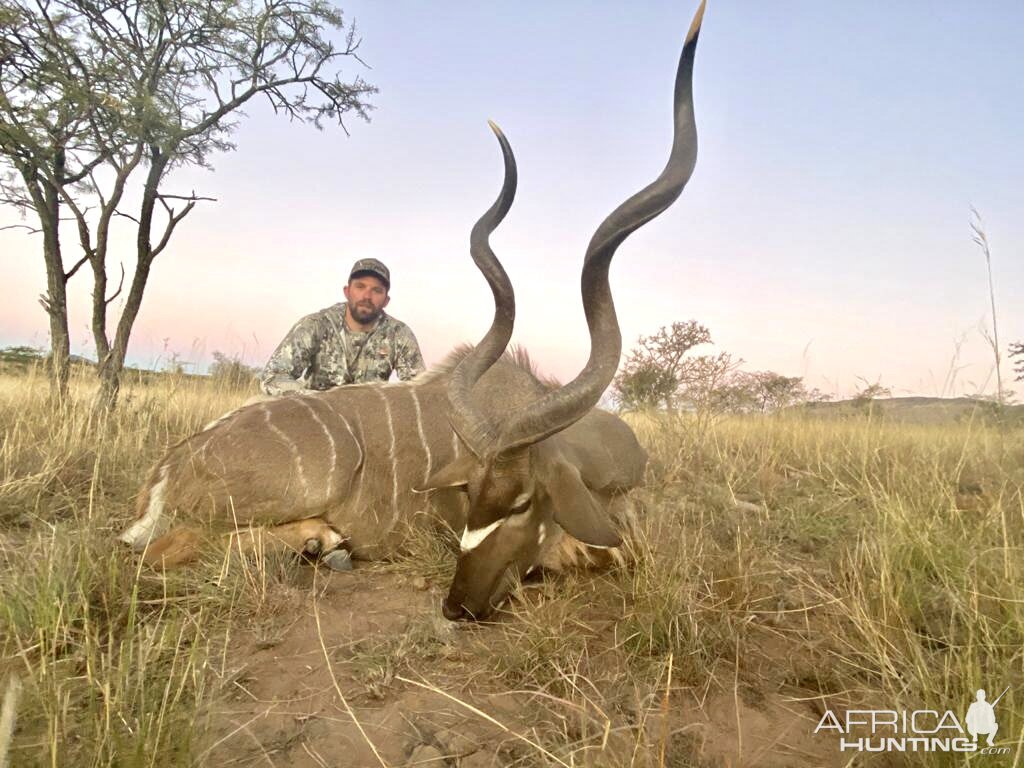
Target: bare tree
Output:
[
  {"x": 869, "y": 392},
  {"x": 651, "y": 374},
  {"x": 773, "y": 391},
  {"x": 736, "y": 392},
  {"x": 703, "y": 386},
  {"x": 815, "y": 395},
  {"x": 743, "y": 391},
  {"x": 50, "y": 90},
  {"x": 150, "y": 85}
]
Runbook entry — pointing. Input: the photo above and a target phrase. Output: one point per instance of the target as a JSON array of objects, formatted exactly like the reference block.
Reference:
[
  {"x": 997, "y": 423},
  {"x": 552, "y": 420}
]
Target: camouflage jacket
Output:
[{"x": 320, "y": 352}]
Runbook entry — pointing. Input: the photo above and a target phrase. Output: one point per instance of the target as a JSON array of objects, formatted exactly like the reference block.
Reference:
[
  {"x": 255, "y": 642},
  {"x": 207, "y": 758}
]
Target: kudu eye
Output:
[
  {"x": 518, "y": 509},
  {"x": 519, "y": 512}
]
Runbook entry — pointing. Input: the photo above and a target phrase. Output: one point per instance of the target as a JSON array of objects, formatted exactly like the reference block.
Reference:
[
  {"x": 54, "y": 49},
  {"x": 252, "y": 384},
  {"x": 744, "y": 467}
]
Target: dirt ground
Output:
[{"x": 404, "y": 687}]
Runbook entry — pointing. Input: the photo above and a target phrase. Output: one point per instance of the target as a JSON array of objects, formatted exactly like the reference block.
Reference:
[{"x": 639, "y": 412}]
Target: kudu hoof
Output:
[{"x": 338, "y": 560}]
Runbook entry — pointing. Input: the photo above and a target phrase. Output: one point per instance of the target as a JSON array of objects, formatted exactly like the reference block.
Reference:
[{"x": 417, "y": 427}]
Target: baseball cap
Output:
[{"x": 371, "y": 267}]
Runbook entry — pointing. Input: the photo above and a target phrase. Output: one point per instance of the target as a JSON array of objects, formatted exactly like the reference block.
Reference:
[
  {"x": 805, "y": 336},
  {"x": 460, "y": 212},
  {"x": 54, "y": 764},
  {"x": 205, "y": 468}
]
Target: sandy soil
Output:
[{"x": 404, "y": 687}]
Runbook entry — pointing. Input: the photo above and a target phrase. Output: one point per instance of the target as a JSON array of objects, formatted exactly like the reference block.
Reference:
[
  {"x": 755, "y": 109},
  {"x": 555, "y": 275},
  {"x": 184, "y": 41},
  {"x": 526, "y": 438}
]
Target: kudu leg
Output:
[
  {"x": 311, "y": 536},
  {"x": 177, "y": 546}
]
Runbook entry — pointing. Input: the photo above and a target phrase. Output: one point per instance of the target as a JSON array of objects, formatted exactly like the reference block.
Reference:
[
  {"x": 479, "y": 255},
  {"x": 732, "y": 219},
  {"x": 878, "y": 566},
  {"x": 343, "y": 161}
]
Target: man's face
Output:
[{"x": 367, "y": 296}]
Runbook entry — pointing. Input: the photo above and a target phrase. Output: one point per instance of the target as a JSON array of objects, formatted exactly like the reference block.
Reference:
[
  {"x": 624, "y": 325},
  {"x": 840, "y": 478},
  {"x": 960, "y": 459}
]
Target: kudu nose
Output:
[{"x": 453, "y": 613}]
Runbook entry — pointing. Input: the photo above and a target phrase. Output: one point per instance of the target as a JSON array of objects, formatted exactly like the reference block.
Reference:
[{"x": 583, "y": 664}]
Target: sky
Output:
[{"x": 824, "y": 234}]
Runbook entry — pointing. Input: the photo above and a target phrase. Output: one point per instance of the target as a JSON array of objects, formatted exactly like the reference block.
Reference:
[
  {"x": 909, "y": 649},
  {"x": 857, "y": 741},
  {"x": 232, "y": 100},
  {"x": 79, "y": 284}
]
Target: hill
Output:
[
  {"x": 21, "y": 360},
  {"x": 918, "y": 410}
]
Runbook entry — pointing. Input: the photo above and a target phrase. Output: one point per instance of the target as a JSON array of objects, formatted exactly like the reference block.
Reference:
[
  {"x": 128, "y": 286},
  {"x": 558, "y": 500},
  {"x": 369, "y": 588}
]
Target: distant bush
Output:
[
  {"x": 232, "y": 372},
  {"x": 22, "y": 355}
]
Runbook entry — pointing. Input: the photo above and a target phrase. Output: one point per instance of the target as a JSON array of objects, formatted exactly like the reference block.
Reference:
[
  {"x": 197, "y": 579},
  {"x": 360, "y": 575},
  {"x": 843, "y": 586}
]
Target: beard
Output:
[{"x": 364, "y": 313}]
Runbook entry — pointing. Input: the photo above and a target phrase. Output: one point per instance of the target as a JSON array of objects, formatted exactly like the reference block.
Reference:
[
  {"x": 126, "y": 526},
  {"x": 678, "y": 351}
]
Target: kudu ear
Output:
[
  {"x": 452, "y": 475},
  {"x": 574, "y": 508}
]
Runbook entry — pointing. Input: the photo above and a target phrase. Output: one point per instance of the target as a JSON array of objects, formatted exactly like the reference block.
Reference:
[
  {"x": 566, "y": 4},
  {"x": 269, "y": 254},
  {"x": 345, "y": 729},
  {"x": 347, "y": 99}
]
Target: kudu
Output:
[{"x": 531, "y": 474}]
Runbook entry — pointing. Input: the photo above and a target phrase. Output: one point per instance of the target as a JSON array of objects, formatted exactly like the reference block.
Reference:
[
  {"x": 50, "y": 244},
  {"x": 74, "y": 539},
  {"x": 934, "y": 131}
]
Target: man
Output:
[
  {"x": 353, "y": 342},
  {"x": 981, "y": 718}
]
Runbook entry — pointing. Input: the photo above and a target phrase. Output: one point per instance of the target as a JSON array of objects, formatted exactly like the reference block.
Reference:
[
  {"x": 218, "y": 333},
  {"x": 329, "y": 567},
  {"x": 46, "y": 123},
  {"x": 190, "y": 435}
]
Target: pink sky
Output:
[{"x": 824, "y": 233}]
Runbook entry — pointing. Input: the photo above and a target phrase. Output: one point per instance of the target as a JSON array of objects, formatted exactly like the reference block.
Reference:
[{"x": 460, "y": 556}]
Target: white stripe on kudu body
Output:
[
  {"x": 423, "y": 436},
  {"x": 291, "y": 445},
  {"x": 348, "y": 428},
  {"x": 391, "y": 453},
  {"x": 349, "y": 472},
  {"x": 345, "y": 468},
  {"x": 330, "y": 441},
  {"x": 362, "y": 465}
]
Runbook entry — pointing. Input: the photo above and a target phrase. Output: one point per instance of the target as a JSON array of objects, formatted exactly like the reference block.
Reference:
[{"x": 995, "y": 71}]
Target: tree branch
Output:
[
  {"x": 171, "y": 224},
  {"x": 128, "y": 216},
  {"x": 193, "y": 198},
  {"x": 71, "y": 273},
  {"x": 120, "y": 285}
]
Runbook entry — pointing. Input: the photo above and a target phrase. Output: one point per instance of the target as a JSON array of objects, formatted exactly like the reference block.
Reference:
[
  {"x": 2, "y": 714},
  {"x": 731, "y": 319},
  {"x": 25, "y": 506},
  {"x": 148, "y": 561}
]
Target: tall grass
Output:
[
  {"x": 115, "y": 663},
  {"x": 844, "y": 563},
  {"x": 898, "y": 548}
]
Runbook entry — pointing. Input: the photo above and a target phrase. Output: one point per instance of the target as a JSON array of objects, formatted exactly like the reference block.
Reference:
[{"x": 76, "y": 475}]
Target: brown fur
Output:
[
  {"x": 239, "y": 472},
  {"x": 268, "y": 475}
]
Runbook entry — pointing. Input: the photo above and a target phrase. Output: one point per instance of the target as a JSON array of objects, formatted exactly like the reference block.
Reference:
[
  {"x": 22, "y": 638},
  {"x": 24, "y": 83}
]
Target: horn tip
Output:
[
  {"x": 495, "y": 128},
  {"x": 698, "y": 18}
]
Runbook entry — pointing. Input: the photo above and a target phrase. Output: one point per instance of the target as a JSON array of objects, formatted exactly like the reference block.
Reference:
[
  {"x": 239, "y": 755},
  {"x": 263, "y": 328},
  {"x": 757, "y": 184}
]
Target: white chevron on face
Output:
[{"x": 471, "y": 539}]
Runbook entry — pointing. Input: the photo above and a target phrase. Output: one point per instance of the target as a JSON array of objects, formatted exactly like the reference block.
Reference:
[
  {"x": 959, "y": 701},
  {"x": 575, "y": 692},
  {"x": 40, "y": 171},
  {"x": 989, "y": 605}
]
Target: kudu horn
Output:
[
  {"x": 476, "y": 430},
  {"x": 560, "y": 408}
]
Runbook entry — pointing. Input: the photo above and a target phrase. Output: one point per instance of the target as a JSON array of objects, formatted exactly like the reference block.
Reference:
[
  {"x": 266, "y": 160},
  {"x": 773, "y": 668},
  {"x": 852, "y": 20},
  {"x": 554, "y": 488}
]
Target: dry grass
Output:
[{"x": 787, "y": 565}]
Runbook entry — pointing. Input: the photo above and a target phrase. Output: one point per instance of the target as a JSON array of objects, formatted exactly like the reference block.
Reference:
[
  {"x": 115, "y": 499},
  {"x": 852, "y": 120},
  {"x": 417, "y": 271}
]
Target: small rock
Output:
[
  {"x": 454, "y": 742},
  {"x": 427, "y": 755}
]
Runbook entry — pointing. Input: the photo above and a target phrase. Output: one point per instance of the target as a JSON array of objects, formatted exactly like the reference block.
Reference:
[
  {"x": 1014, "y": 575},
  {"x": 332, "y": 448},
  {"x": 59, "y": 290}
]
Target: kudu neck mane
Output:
[{"x": 515, "y": 356}]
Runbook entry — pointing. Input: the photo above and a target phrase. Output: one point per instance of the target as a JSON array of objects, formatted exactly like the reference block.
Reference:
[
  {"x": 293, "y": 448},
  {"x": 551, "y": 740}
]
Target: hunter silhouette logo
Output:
[
  {"x": 916, "y": 730},
  {"x": 981, "y": 717}
]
